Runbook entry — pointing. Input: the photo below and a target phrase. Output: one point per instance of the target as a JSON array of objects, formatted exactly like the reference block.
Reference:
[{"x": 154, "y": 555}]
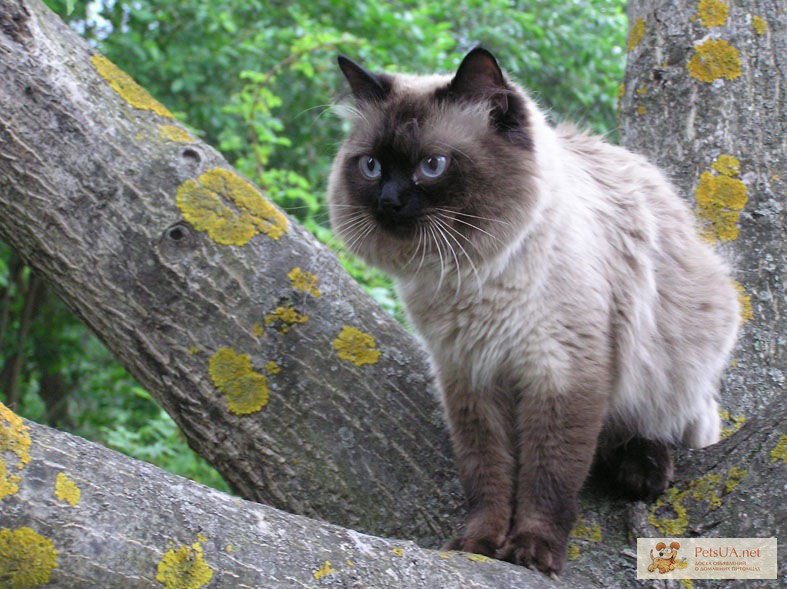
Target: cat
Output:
[{"x": 569, "y": 308}]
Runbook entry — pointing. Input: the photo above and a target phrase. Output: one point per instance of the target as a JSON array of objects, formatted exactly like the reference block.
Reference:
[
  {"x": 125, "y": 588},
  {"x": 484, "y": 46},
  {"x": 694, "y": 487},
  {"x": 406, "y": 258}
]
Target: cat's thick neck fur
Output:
[{"x": 558, "y": 283}]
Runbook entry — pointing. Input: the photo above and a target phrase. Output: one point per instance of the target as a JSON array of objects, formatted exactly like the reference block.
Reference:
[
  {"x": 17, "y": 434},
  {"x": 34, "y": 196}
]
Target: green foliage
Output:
[{"x": 257, "y": 78}]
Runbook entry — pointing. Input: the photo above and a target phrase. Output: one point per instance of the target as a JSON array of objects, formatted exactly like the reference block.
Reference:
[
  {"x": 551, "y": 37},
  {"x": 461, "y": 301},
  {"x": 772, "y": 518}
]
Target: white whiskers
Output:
[
  {"x": 355, "y": 229},
  {"x": 437, "y": 242}
]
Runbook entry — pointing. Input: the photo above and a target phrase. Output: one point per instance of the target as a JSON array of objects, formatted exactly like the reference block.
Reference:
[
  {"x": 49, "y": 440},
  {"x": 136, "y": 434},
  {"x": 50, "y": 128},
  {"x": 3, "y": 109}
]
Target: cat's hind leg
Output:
[{"x": 636, "y": 468}]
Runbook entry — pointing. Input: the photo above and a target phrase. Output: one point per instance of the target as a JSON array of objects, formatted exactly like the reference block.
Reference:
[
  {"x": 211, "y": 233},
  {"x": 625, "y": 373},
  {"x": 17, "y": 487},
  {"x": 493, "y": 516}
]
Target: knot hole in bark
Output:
[
  {"x": 192, "y": 156},
  {"x": 176, "y": 240},
  {"x": 177, "y": 232}
]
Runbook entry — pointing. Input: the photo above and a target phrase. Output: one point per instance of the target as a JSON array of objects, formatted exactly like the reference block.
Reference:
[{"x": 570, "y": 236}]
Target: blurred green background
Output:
[{"x": 256, "y": 79}]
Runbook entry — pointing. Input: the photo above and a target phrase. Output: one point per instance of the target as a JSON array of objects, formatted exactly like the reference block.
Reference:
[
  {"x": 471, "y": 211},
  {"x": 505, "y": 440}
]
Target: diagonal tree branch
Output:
[{"x": 241, "y": 325}]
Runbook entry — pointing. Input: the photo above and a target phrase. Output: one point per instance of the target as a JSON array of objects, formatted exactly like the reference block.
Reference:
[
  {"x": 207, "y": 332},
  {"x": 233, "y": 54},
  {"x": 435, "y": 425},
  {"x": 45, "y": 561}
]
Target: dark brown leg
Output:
[
  {"x": 481, "y": 434},
  {"x": 558, "y": 437},
  {"x": 635, "y": 469}
]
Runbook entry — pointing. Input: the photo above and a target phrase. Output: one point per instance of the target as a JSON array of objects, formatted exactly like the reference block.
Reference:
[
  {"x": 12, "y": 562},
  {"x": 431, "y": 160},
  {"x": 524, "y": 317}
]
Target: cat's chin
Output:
[{"x": 403, "y": 231}]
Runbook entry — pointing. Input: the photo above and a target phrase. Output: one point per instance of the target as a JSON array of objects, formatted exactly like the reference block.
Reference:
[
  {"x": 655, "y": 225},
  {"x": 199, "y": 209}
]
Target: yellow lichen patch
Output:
[
  {"x": 232, "y": 374},
  {"x": 228, "y": 548},
  {"x": 184, "y": 568},
  {"x": 641, "y": 110},
  {"x": 621, "y": 90},
  {"x": 356, "y": 346},
  {"x": 709, "y": 488},
  {"x": 478, "y": 557},
  {"x": 734, "y": 476},
  {"x": 272, "y": 368},
  {"x": 9, "y": 484},
  {"x": 636, "y": 34},
  {"x": 445, "y": 555},
  {"x": 26, "y": 558},
  {"x": 735, "y": 423},
  {"x": 323, "y": 571},
  {"x": 715, "y": 59},
  {"x": 780, "y": 451},
  {"x": 719, "y": 200},
  {"x": 66, "y": 489},
  {"x": 687, "y": 583},
  {"x": 759, "y": 24},
  {"x": 285, "y": 317},
  {"x": 671, "y": 500},
  {"x": 15, "y": 438},
  {"x": 128, "y": 89},
  {"x": 721, "y": 191},
  {"x": 398, "y": 551},
  {"x": 257, "y": 330},
  {"x": 305, "y": 281},
  {"x": 193, "y": 350},
  {"x": 573, "y": 553},
  {"x": 173, "y": 133},
  {"x": 728, "y": 165},
  {"x": 583, "y": 531},
  {"x": 713, "y": 13},
  {"x": 642, "y": 90},
  {"x": 228, "y": 208},
  {"x": 744, "y": 301}
]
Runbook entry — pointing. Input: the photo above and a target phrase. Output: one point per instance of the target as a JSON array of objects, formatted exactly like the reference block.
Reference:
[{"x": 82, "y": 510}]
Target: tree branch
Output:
[
  {"x": 117, "y": 522},
  {"x": 234, "y": 318}
]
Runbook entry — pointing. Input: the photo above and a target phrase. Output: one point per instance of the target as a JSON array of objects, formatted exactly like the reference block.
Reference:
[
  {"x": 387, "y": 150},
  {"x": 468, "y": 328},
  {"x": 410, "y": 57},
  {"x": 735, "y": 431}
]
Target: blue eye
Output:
[
  {"x": 432, "y": 167},
  {"x": 370, "y": 167}
]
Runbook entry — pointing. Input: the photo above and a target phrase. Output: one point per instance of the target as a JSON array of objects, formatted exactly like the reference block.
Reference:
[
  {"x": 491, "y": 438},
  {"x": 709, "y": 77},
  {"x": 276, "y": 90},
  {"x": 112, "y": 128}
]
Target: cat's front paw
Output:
[
  {"x": 487, "y": 546},
  {"x": 543, "y": 552}
]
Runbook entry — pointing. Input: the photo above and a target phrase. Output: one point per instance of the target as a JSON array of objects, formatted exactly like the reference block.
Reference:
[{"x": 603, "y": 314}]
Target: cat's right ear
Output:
[{"x": 364, "y": 84}]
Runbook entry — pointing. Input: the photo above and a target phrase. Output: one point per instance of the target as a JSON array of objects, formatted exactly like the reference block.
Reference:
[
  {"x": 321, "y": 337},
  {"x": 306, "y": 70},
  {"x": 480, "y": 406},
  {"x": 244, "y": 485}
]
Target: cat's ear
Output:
[
  {"x": 364, "y": 84},
  {"x": 479, "y": 77}
]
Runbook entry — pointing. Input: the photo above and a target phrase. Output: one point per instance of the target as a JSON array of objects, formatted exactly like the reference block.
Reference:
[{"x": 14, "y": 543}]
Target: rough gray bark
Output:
[
  {"x": 88, "y": 186},
  {"x": 129, "y": 515},
  {"x": 671, "y": 114},
  {"x": 703, "y": 84}
]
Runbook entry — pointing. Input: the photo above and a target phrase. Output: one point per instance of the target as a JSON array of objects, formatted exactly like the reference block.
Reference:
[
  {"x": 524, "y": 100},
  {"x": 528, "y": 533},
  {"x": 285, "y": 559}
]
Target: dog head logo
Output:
[{"x": 665, "y": 558}]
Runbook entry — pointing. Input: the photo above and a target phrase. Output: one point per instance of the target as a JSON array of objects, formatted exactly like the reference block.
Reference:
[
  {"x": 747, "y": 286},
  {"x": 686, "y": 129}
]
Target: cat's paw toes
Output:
[
  {"x": 643, "y": 483},
  {"x": 474, "y": 545},
  {"x": 535, "y": 552},
  {"x": 646, "y": 475}
]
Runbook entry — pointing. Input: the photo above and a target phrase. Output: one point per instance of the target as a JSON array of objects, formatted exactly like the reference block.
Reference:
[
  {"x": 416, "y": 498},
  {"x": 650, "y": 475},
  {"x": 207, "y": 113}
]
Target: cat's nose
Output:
[{"x": 390, "y": 200}]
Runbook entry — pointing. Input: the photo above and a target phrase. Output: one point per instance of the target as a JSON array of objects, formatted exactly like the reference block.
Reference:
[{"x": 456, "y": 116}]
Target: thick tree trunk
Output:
[
  {"x": 321, "y": 405},
  {"x": 704, "y": 98}
]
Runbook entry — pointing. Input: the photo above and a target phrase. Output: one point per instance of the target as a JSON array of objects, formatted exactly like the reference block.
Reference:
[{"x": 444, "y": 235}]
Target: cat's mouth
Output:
[{"x": 396, "y": 225}]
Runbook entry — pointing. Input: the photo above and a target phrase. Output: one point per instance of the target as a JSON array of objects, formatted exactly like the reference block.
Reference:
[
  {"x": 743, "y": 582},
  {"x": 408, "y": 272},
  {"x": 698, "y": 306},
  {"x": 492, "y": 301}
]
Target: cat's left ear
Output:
[
  {"x": 479, "y": 77},
  {"x": 364, "y": 84}
]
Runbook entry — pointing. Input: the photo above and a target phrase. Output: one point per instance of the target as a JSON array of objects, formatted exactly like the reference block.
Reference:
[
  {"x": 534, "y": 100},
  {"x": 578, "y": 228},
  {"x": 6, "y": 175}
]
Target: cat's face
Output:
[{"x": 437, "y": 171}]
